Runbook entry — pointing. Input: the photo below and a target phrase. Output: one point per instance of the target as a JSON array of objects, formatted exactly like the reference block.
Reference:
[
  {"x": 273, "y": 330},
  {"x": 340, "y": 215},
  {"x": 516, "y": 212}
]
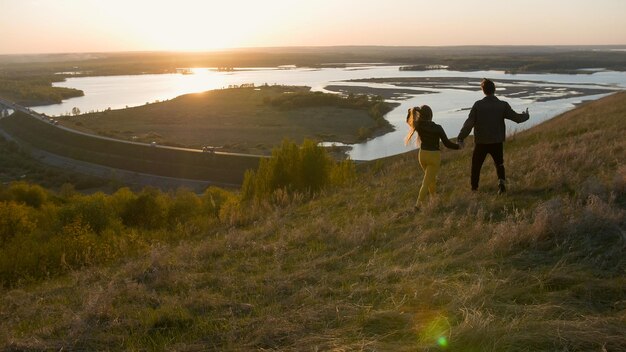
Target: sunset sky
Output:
[{"x": 55, "y": 26}]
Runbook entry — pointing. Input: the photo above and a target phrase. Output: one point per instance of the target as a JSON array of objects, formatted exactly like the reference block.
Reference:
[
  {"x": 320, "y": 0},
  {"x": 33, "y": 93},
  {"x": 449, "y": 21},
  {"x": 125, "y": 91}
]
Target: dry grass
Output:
[
  {"x": 236, "y": 119},
  {"x": 540, "y": 269}
]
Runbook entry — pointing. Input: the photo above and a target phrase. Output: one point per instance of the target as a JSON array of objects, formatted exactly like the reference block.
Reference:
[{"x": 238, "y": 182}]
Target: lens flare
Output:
[
  {"x": 442, "y": 342},
  {"x": 436, "y": 330}
]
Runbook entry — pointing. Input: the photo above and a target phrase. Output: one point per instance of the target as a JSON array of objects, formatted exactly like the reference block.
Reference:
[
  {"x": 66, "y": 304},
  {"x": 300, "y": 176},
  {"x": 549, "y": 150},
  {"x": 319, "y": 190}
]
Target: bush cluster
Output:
[
  {"x": 293, "y": 169},
  {"x": 44, "y": 233},
  {"x": 373, "y": 104}
]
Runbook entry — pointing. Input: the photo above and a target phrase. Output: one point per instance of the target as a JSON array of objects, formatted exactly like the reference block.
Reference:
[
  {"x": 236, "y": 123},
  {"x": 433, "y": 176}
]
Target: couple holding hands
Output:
[{"x": 486, "y": 118}]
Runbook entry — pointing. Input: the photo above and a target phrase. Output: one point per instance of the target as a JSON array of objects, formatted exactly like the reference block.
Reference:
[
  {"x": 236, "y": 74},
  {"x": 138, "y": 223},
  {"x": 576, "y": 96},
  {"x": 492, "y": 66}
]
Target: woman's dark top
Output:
[{"x": 430, "y": 133}]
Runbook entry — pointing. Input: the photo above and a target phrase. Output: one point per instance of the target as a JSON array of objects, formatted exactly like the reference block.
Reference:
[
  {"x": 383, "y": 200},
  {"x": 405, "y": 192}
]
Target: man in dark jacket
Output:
[{"x": 487, "y": 119}]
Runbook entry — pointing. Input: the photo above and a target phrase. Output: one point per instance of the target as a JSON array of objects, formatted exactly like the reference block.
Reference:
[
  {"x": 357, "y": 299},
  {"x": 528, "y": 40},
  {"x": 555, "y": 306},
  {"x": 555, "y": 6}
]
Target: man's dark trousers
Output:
[{"x": 478, "y": 157}]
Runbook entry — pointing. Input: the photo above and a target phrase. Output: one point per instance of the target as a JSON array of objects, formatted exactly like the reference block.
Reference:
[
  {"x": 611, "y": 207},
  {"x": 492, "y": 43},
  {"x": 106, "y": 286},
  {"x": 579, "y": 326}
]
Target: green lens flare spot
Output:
[{"x": 442, "y": 342}]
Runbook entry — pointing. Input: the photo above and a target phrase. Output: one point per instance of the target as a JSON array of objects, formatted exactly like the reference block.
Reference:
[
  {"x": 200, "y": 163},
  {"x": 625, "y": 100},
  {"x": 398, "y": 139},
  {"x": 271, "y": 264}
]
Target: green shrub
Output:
[
  {"x": 235, "y": 211},
  {"x": 121, "y": 200},
  {"x": 92, "y": 210},
  {"x": 184, "y": 206},
  {"x": 295, "y": 170},
  {"x": 15, "y": 220},
  {"x": 78, "y": 245},
  {"x": 45, "y": 253},
  {"x": 29, "y": 194},
  {"x": 314, "y": 169},
  {"x": 213, "y": 199},
  {"x": 148, "y": 210},
  {"x": 45, "y": 235}
]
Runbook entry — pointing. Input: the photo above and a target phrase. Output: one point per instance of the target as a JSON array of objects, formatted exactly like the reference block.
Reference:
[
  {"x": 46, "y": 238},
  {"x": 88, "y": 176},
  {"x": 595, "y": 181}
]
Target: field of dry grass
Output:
[
  {"x": 236, "y": 119},
  {"x": 540, "y": 269}
]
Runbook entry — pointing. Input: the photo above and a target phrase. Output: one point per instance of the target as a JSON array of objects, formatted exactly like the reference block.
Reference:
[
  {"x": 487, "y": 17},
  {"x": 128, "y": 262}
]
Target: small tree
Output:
[
  {"x": 93, "y": 211},
  {"x": 75, "y": 111},
  {"x": 184, "y": 206},
  {"x": 292, "y": 169},
  {"x": 148, "y": 210},
  {"x": 314, "y": 168},
  {"x": 213, "y": 199}
]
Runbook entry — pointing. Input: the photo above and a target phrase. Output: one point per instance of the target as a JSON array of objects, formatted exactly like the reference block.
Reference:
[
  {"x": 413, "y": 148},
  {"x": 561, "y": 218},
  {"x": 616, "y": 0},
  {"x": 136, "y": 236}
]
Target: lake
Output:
[{"x": 450, "y": 94}]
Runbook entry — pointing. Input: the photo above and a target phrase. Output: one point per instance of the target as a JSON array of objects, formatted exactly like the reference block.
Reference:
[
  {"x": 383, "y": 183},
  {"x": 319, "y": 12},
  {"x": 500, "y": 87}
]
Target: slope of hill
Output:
[
  {"x": 148, "y": 159},
  {"x": 17, "y": 164},
  {"x": 540, "y": 269}
]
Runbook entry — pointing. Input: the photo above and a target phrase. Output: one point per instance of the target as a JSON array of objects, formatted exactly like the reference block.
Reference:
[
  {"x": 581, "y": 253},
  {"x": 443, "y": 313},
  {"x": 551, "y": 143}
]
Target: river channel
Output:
[{"x": 449, "y": 93}]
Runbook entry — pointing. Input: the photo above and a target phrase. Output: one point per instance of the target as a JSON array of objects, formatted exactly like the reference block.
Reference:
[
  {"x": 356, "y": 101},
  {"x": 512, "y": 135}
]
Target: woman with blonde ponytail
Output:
[{"x": 429, "y": 134}]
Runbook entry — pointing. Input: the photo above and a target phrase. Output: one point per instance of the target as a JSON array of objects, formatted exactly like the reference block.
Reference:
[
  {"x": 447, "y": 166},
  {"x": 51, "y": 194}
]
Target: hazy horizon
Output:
[
  {"x": 616, "y": 47},
  {"x": 96, "y": 26}
]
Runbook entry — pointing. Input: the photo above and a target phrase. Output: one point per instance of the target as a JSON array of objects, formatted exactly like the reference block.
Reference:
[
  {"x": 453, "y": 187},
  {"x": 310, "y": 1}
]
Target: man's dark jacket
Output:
[{"x": 487, "y": 119}]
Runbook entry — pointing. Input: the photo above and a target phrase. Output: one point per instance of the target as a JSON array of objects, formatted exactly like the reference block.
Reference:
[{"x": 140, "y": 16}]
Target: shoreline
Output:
[
  {"x": 391, "y": 94},
  {"x": 538, "y": 91},
  {"x": 447, "y": 89},
  {"x": 49, "y": 68},
  {"x": 267, "y": 117}
]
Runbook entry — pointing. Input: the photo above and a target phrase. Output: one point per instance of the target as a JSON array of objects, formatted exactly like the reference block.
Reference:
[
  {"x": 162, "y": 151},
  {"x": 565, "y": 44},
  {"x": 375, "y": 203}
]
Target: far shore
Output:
[
  {"x": 534, "y": 90},
  {"x": 27, "y": 79},
  {"x": 391, "y": 93}
]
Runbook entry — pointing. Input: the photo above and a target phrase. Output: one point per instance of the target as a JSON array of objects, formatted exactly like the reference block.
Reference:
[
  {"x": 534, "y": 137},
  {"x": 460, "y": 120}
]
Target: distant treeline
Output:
[
  {"x": 35, "y": 90},
  {"x": 541, "y": 59},
  {"x": 513, "y": 58},
  {"x": 524, "y": 62},
  {"x": 375, "y": 105}
]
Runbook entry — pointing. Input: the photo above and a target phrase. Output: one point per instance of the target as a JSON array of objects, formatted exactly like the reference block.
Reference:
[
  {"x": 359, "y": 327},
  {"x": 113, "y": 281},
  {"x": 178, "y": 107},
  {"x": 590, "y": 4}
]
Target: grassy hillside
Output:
[
  {"x": 224, "y": 169},
  {"x": 17, "y": 165},
  {"x": 540, "y": 269}
]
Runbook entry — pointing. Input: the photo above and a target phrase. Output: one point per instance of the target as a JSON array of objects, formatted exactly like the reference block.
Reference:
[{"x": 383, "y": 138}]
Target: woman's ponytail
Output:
[{"x": 412, "y": 117}]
